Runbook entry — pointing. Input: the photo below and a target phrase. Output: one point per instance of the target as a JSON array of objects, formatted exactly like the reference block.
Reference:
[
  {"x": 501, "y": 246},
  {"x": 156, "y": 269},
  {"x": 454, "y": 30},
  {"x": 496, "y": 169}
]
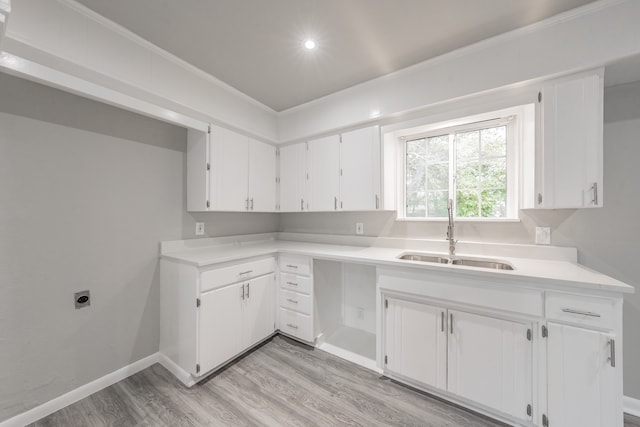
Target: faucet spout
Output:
[{"x": 450, "y": 236}]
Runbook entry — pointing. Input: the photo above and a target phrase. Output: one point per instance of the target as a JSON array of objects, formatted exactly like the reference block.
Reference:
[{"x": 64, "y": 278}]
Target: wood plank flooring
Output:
[{"x": 281, "y": 383}]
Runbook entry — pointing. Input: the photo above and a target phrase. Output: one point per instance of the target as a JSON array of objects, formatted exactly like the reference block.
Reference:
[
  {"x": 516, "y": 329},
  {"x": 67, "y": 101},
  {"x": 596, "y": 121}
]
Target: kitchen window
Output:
[{"x": 473, "y": 164}]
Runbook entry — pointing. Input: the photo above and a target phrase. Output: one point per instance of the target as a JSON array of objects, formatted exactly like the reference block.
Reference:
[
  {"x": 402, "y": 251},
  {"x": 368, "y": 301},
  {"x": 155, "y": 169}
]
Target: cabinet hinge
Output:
[
  {"x": 539, "y": 96},
  {"x": 529, "y": 335},
  {"x": 197, "y": 302},
  {"x": 386, "y": 303},
  {"x": 209, "y": 129},
  {"x": 529, "y": 410},
  {"x": 386, "y": 360},
  {"x": 340, "y": 171},
  {"x": 545, "y": 331},
  {"x": 545, "y": 421},
  {"x": 340, "y": 139},
  {"x": 197, "y": 368},
  {"x": 208, "y": 166},
  {"x": 208, "y": 204}
]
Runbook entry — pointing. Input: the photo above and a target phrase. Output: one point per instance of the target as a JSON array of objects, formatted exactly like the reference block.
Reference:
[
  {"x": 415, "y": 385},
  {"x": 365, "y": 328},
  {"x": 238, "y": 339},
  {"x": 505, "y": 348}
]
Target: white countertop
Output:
[{"x": 546, "y": 271}]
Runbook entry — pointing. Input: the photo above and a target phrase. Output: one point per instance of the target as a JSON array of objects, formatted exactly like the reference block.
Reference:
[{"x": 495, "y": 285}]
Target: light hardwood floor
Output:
[{"x": 281, "y": 383}]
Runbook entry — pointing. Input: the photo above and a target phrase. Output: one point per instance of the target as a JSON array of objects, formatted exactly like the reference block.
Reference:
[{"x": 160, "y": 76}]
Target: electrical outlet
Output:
[
  {"x": 543, "y": 235},
  {"x": 359, "y": 228},
  {"x": 82, "y": 299},
  {"x": 199, "y": 228}
]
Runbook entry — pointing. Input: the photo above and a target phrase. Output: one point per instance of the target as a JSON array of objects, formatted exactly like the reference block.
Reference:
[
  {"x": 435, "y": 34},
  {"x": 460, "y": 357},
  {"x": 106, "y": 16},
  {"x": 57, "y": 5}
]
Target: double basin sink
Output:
[{"x": 468, "y": 262}]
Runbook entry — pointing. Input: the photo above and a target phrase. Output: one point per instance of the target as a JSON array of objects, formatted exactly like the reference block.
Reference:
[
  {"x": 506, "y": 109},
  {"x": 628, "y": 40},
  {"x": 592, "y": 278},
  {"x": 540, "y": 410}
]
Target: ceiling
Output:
[{"x": 256, "y": 46}]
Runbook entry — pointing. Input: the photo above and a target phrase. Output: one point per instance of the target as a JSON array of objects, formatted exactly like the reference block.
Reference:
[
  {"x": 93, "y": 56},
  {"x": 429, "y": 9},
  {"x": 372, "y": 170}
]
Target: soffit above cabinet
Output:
[{"x": 256, "y": 46}]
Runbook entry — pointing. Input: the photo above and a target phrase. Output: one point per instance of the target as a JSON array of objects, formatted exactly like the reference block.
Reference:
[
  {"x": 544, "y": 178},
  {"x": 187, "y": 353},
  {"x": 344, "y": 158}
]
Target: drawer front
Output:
[
  {"x": 295, "y": 283},
  {"x": 295, "y": 264},
  {"x": 295, "y": 301},
  {"x": 583, "y": 310},
  {"x": 296, "y": 324},
  {"x": 235, "y": 273}
]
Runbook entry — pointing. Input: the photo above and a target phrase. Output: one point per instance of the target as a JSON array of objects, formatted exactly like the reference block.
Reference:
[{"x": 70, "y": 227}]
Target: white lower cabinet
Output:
[
  {"x": 416, "y": 341},
  {"x": 482, "y": 359},
  {"x": 217, "y": 344},
  {"x": 295, "y": 297},
  {"x": 490, "y": 362},
  {"x": 234, "y": 318},
  {"x": 210, "y": 316},
  {"x": 581, "y": 378}
]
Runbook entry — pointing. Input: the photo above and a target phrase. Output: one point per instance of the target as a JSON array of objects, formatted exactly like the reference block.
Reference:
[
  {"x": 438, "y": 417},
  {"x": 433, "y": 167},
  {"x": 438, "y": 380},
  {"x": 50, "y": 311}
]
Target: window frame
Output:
[{"x": 512, "y": 152}]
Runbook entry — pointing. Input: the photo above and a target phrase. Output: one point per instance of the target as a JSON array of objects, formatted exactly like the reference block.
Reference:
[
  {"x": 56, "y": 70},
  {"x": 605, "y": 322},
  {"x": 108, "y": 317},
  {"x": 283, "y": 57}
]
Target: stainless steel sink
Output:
[
  {"x": 468, "y": 262},
  {"x": 424, "y": 258},
  {"x": 496, "y": 265}
]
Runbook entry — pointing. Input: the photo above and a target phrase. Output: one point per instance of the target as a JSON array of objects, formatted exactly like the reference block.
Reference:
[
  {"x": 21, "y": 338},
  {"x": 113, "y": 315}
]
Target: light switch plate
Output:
[
  {"x": 543, "y": 235},
  {"x": 199, "y": 228},
  {"x": 359, "y": 228}
]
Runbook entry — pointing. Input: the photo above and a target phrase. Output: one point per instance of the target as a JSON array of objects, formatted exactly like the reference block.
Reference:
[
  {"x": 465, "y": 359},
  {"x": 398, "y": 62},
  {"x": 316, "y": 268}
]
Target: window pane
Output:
[
  {"x": 437, "y": 202},
  {"x": 468, "y": 145},
  {"x": 494, "y": 141},
  {"x": 494, "y": 173},
  {"x": 416, "y": 177},
  {"x": 467, "y": 204},
  {"x": 438, "y": 148},
  {"x": 438, "y": 176},
  {"x": 467, "y": 175},
  {"x": 494, "y": 203}
]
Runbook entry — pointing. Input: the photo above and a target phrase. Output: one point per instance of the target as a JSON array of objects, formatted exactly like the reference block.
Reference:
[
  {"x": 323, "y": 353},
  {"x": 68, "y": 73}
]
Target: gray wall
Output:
[
  {"x": 87, "y": 191},
  {"x": 605, "y": 238}
]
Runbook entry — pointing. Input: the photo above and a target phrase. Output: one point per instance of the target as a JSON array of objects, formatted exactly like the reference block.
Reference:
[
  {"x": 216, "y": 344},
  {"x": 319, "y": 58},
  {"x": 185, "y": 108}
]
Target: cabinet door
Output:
[
  {"x": 581, "y": 380},
  {"x": 573, "y": 142},
  {"x": 490, "y": 362},
  {"x": 259, "y": 313},
  {"x": 262, "y": 177},
  {"x": 197, "y": 174},
  {"x": 360, "y": 169},
  {"x": 293, "y": 177},
  {"x": 324, "y": 173},
  {"x": 416, "y": 341},
  {"x": 220, "y": 326},
  {"x": 229, "y": 174}
]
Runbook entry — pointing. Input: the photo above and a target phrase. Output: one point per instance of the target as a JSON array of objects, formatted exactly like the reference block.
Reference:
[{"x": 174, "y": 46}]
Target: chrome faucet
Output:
[{"x": 452, "y": 242}]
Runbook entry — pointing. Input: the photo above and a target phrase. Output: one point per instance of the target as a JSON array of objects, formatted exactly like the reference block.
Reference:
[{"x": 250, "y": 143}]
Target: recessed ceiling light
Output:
[{"x": 310, "y": 44}]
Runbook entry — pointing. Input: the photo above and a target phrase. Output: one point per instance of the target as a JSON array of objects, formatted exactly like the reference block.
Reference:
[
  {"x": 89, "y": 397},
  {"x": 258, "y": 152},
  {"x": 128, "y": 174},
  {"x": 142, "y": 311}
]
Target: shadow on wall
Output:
[{"x": 218, "y": 224}]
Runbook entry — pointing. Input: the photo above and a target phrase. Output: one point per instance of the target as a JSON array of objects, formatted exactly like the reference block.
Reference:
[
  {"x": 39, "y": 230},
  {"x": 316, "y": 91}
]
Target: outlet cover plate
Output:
[
  {"x": 199, "y": 228},
  {"x": 543, "y": 235}
]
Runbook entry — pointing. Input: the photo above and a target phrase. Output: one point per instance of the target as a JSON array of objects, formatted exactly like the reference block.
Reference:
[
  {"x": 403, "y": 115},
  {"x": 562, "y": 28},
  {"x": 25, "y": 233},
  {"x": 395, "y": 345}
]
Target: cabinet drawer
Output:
[
  {"x": 235, "y": 273},
  {"x": 295, "y": 264},
  {"x": 296, "y": 324},
  {"x": 295, "y": 301},
  {"x": 295, "y": 283},
  {"x": 583, "y": 310}
]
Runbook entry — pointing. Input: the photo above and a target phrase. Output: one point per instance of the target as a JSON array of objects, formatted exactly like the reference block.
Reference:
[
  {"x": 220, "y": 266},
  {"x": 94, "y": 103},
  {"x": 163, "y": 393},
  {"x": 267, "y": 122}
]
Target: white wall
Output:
[{"x": 87, "y": 192}]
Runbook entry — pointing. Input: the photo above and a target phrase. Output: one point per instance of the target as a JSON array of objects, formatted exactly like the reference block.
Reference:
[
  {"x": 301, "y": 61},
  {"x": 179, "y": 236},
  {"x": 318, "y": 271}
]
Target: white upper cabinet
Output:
[
  {"x": 293, "y": 178},
  {"x": 227, "y": 171},
  {"x": 360, "y": 178},
  {"x": 262, "y": 177},
  {"x": 571, "y": 144},
  {"x": 229, "y": 174},
  {"x": 324, "y": 173}
]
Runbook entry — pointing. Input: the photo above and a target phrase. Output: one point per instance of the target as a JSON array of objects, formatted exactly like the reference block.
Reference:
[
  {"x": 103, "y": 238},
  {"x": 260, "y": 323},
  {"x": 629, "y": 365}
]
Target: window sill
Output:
[{"x": 487, "y": 220}]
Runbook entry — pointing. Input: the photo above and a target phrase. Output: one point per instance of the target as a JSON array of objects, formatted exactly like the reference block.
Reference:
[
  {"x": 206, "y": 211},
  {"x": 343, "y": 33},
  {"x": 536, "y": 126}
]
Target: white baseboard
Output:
[
  {"x": 48, "y": 408},
  {"x": 184, "y": 377},
  {"x": 631, "y": 406}
]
